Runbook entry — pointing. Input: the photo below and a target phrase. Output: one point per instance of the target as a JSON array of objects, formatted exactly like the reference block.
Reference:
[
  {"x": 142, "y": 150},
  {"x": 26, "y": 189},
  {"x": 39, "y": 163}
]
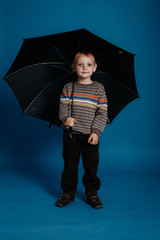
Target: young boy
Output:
[{"x": 88, "y": 119}]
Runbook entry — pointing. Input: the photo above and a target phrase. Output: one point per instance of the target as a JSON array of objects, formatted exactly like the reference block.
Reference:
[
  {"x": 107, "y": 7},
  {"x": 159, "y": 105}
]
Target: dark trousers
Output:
[{"x": 71, "y": 155}]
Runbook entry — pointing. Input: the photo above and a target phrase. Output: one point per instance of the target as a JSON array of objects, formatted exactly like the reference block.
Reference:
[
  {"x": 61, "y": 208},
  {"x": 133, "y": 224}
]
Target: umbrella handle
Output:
[
  {"x": 70, "y": 133},
  {"x": 71, "y": 137}
]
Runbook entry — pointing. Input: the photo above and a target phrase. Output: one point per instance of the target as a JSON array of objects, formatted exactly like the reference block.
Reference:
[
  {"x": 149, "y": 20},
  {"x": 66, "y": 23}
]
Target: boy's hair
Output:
[{"x": 84, "y": 52}]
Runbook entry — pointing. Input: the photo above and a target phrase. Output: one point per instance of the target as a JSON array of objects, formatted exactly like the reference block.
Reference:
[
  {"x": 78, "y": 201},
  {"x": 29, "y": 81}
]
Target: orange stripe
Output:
[
  {"x": 103, "y": 100},
  {"x": 82, "y": 95}
]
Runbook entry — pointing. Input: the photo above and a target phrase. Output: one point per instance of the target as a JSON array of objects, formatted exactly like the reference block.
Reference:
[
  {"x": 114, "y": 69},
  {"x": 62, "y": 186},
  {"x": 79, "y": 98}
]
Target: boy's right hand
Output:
[{"x": 70, "y": 122}]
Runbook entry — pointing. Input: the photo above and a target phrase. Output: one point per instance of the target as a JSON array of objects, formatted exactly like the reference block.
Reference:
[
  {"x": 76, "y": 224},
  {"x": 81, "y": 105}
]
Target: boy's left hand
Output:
[{"x": 93, "y": 139}]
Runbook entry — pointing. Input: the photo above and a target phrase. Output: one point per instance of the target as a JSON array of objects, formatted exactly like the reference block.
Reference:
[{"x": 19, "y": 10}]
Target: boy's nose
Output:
[{"x": 84, "y": 66}]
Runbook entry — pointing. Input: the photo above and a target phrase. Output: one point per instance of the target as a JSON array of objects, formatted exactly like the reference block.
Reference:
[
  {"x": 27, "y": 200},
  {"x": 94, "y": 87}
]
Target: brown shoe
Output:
[
  {"x": 65, "y": 199},
  {"x": 94, "y": 200}
]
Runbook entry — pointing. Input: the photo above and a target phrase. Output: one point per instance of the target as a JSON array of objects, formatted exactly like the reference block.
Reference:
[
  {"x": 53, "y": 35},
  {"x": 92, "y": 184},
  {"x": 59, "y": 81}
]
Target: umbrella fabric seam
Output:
[
  {"x": 120, "y": 83},
  {"x": 38, "y": 96},
  {"x": 61, "y": 56},
  {"x": 43, "y": 63}
]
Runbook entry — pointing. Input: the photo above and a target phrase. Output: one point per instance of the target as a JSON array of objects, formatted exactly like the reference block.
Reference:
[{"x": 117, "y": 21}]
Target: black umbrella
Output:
[{"x": 43, "y": 66}]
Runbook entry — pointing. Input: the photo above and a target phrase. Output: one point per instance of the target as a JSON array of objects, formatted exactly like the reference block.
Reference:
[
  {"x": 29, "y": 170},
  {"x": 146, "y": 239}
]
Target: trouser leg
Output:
[
  {"x": 71, "y": 155},
  {"x": 90, "y": 157}
]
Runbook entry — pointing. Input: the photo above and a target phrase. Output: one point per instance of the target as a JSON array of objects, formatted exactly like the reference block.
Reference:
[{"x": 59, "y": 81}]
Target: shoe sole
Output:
[
  {"x": 96, "y": 207},
  {"x": 63, "y": 205}
]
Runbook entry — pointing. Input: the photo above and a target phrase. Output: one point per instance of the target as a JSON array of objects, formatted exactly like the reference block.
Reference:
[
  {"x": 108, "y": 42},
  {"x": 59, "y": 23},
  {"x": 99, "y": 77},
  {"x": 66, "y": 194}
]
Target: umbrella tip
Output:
[{"x": 108, "y": 121}]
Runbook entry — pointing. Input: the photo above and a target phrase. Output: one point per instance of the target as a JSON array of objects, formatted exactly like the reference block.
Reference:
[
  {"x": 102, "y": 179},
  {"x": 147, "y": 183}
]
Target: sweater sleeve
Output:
[
  {"x": 101, "y": 115},
  {"x": 64, "y": 105}
]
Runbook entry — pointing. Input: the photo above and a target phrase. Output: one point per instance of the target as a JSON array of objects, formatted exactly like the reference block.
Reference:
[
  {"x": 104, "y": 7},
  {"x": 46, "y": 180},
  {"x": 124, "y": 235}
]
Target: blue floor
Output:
[{"x": 27, "y": 211}]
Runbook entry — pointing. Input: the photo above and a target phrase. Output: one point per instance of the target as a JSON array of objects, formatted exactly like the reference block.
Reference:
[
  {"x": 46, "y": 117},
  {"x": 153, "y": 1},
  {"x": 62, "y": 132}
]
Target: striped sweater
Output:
[{"x": 90, "y": 108}]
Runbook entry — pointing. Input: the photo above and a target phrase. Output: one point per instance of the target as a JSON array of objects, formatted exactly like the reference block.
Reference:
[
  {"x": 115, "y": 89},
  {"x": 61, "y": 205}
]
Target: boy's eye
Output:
[{"x": 80, "y": 64}]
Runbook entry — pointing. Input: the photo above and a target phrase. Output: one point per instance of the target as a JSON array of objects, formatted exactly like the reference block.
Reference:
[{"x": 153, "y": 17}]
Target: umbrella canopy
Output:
[{"x": 43, "y": 66}]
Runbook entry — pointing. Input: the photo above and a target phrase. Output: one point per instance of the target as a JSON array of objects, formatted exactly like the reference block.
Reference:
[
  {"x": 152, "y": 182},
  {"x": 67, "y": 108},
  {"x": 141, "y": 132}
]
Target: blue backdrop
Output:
[
  {"x": 132, "y": 141},
  {"x": 30, "y": 151}
]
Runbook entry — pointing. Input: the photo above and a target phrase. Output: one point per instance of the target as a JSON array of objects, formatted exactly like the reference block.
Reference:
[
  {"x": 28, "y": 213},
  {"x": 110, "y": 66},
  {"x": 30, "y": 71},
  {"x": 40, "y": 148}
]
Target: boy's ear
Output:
[
  {"x": 73, "y": 67},
  {"x": 95, "y": 67}
]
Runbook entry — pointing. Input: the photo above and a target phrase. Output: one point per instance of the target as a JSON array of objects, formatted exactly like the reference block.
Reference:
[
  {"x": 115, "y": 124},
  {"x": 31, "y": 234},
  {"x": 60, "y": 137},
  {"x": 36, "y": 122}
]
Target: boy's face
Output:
[{"x": 84, "y": 66}]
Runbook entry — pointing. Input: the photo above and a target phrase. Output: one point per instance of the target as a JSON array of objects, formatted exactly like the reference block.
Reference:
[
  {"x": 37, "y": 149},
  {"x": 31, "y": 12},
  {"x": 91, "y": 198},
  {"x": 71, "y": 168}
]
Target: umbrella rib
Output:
[
  {"x": 62, "y": 56},
  {"x": 38, "y": 96},
  {"x": 43, "y": 63},
  {"x": 120, "y": 82},
  {"x": 54, "y": 63}
]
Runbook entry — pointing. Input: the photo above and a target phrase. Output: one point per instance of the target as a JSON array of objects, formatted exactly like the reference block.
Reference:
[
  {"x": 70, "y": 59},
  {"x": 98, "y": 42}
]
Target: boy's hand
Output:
[
  {"x": 70, "y": 122},
  {"x": 93, "y": 139}
]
